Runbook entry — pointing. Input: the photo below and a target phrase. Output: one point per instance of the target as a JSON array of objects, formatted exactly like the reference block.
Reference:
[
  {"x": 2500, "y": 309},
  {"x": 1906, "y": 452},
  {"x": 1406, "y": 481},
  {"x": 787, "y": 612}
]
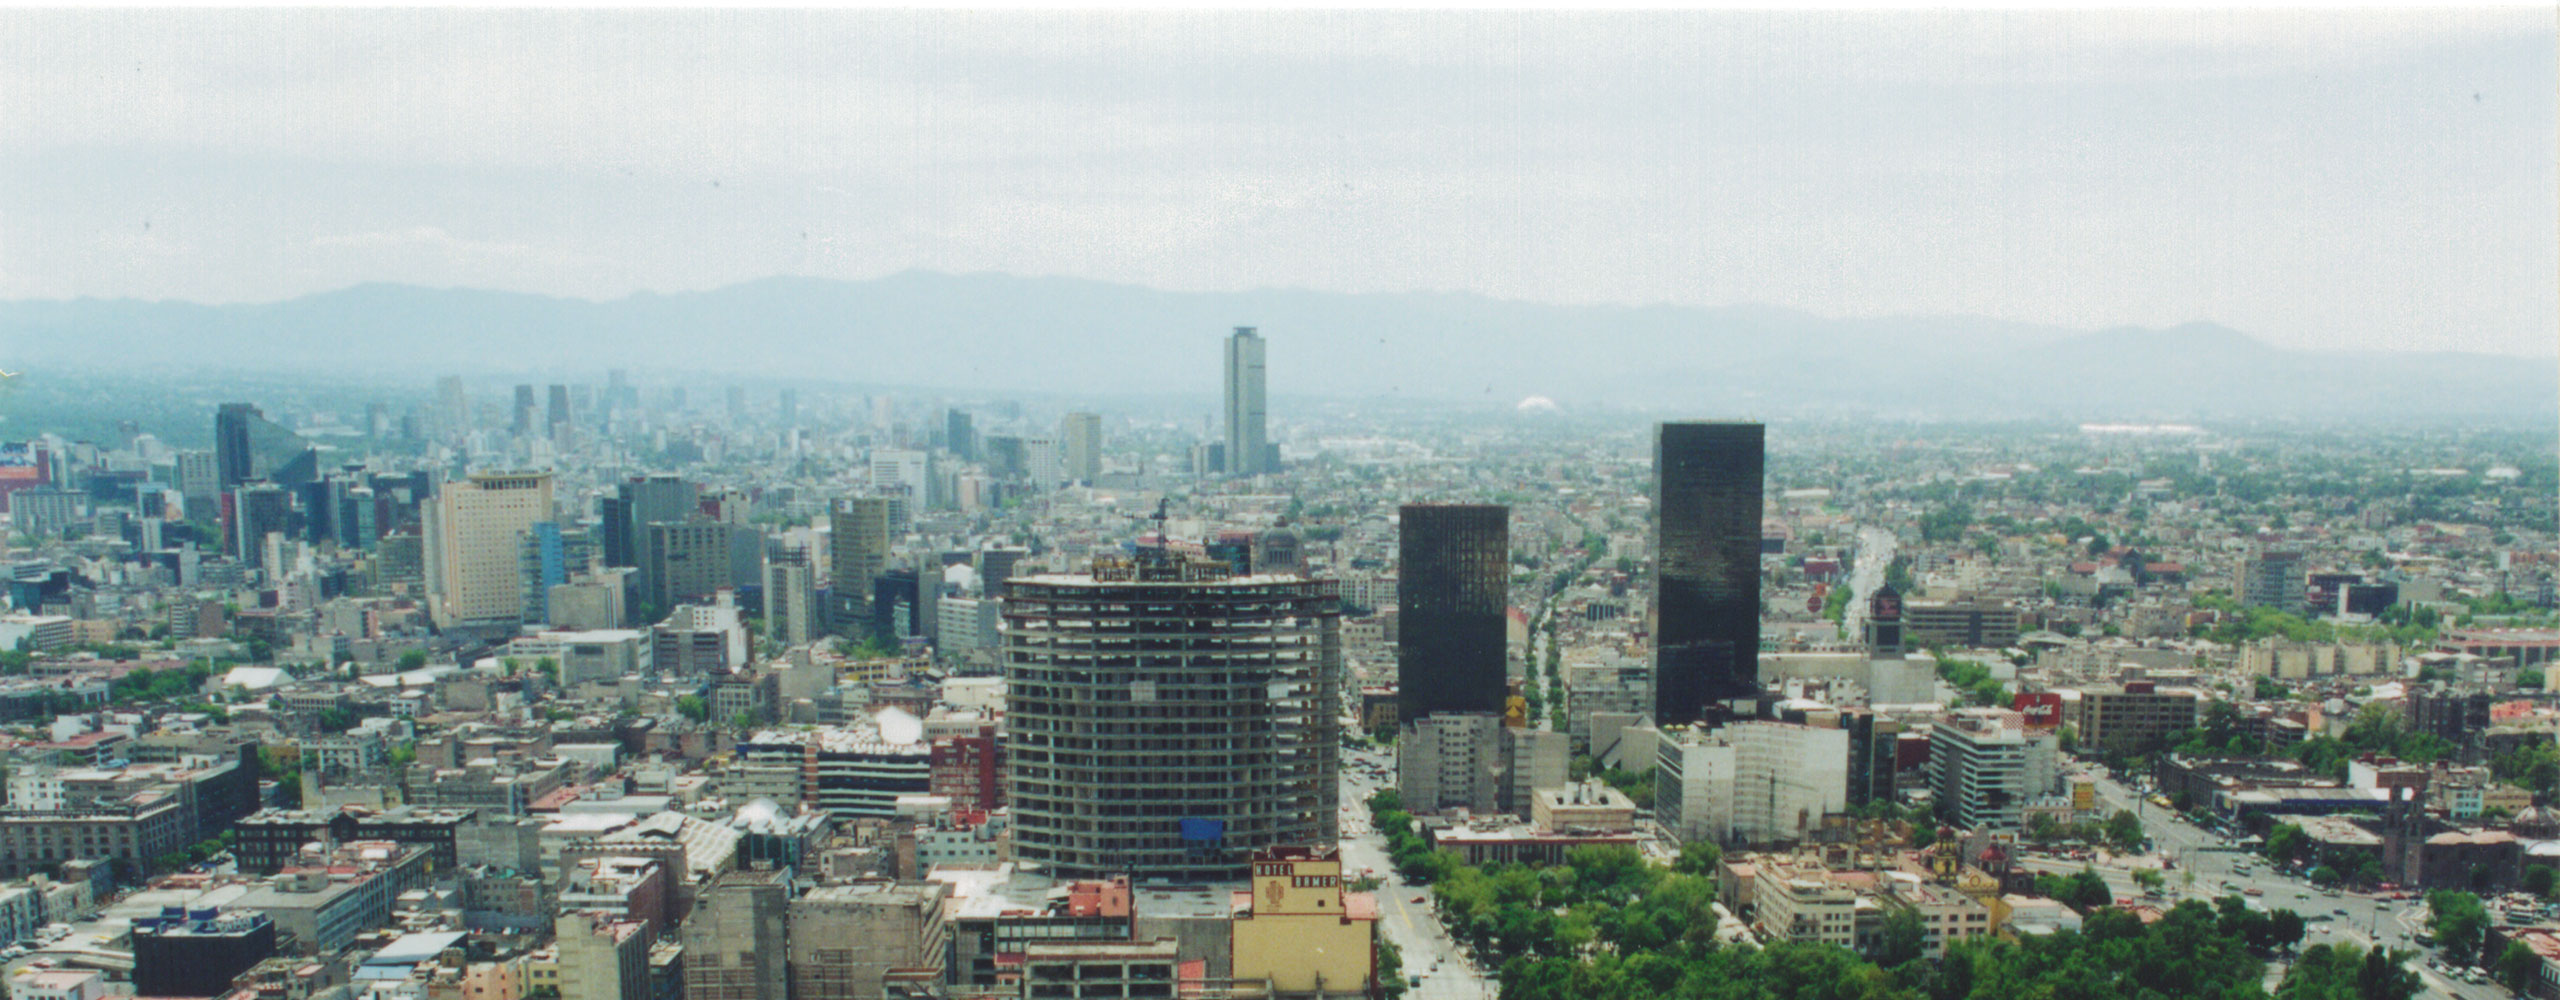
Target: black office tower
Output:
[
  {"x": 231, "y": 457},
  {"x": 1706, "y": 598},
  {"x": 1452, "y": 586}
]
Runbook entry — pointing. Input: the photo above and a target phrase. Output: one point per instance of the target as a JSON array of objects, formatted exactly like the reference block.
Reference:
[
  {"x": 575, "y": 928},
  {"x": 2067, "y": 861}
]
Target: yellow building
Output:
[{"x": 1299, "y": 930}]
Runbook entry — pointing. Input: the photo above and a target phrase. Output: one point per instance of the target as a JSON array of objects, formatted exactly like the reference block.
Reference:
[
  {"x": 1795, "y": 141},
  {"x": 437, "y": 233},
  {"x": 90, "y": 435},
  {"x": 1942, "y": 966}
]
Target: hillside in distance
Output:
[{"x": 993, "y": 333}]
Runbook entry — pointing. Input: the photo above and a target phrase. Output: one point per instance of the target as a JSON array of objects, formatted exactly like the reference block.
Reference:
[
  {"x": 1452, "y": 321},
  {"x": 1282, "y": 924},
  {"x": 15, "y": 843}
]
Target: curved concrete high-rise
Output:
[{"x": 1167, "y": 719}]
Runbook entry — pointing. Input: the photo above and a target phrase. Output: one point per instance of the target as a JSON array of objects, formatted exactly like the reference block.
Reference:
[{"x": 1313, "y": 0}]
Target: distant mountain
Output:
[{"x": 1002, "y": 333}]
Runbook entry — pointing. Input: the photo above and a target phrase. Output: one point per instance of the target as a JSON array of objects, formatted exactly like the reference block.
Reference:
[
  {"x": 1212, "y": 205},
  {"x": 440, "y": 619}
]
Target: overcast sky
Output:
[{"x": 2343, "y": 179}]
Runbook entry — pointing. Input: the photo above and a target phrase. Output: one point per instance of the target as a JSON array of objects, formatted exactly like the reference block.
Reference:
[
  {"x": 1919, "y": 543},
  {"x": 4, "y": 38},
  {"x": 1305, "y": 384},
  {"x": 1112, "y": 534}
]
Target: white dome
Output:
[
  {"x": 897, "y": 727},
  {"x": 760, "y": 811},
  {"x": 1537, "y": 404}
]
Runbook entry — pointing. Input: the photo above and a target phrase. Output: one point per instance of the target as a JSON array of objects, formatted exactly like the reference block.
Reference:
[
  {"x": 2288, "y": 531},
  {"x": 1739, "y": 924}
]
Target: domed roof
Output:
[{"x": 2538, "y": 822}]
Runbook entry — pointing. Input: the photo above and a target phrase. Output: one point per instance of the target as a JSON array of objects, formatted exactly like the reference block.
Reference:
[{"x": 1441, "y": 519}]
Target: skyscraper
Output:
[
  {"x": 1245, "y": 438},
  {"x": 1166, "y": 719},
  {"x": 453, "y": 409},
  {"x": 1452, "y": 587},
  {"x": 559, "y": 412},
  {"x": 959, "y": 435},
  {"x": 231, "y": 443},
  {"x": 857, "y": 552},
  {"x": 1080, "y": 435},
  {"x": 475, "y": 545},
  {"x": 524, "y": 410},
  {"x": 1706, "y": 601}
]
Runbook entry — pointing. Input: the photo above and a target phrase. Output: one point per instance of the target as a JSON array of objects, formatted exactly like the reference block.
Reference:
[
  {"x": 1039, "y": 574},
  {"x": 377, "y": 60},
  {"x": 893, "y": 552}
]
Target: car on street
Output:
[{"x": 1418, "y": 899}]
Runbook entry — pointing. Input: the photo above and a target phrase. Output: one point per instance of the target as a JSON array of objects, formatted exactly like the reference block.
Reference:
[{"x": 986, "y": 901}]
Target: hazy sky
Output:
[{"x": 2316, "y": 178}]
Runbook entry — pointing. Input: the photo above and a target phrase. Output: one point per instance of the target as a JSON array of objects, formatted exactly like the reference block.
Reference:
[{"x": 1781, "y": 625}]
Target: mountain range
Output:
[{"x": 994, "y": 333}]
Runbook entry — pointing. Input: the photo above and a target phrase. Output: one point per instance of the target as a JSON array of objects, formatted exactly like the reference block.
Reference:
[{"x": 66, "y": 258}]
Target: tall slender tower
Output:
[
  {"x": 1246, "y": 442},
  {"x": 1453, "y": 578},
  {"x": 231, "y": 455},
  {"x": 1706, "y": 598}
]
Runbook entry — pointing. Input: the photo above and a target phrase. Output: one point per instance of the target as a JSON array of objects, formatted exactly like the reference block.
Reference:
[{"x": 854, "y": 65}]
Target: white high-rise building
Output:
[
  {"x": 1451, "y": 760},
  {"x": 901, "y": 473},
  {"x": 1787, "y": 776},
  {"x": 1693, "y": 786},
  {"x": 475, "y": 543},
  {"x": 1080, "y": 434},
  {"x": 1247, "y": 441},
  {"x": 1986, "y": 767},
  {"x": 791, "y": 601}
]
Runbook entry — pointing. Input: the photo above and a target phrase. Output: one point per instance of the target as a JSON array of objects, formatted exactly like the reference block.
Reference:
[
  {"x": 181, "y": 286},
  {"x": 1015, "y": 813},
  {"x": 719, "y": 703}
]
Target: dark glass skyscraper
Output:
[
  {"x": 1452, "y": 586},
  {"x": 1706, "y": 598},
  {"x": 231, "y": 456}
]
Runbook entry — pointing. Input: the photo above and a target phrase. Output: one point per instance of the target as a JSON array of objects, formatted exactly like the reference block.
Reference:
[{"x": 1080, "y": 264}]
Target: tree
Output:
[
  {"x": 2460, "y": 924},
  {"x": 1901, "y": 938},
  {"x": 2149, "y": 878},
  {"x": 2324, "y": 875},
  {"x": 413, "y": 660},
  {"x": 2538, "y": 879},
  {"x": 2519, "y": 966},
  {"x": 693, "y": 707},
  {"x": 2286, "y": 842},
  {"x": 2124, "y": 830},
  {"x": 1698, "y": 857}
]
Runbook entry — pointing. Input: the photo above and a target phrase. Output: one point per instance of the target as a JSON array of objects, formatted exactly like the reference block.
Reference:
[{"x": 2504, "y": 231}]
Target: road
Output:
[
  {"x": 1414, "y": 927},
  {"x": 2350, "y": 917},
  {"x": 1866, "y": 573}
]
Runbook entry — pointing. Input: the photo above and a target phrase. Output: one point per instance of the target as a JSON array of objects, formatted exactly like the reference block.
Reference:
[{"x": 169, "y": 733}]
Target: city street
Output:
[
  {"x": 2356, "y": 918},
  {"x": 1413, "y": 926},
  {"x": 1866, "y": 573}
]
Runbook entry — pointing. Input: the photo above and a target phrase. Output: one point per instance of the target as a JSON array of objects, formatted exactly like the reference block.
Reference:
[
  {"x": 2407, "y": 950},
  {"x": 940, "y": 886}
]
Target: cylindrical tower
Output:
[{"x": 1166, "y": 719}]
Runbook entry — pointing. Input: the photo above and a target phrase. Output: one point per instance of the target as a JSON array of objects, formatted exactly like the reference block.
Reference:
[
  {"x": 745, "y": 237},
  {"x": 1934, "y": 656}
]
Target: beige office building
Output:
[{"x": 475, "y": 542}]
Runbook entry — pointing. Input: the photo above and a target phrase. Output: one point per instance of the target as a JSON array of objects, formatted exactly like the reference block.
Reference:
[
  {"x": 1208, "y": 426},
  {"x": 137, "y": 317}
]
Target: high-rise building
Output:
[
  {"x": 791, "y": 599},
  {"x": 603, "y": 956},
  {"x": 1080, "y": 435},
  {"x": 627, "y": 515},
  {"x": 257, "y": 510},
  {"x": 787, "y": 406},
  {"x": 1706, "y": 603},
  {"x": 453, "y": 409},
  {"x": 475, "y": 539},
  {"x": 558, "y": 414},
  {"x": 524, "y": 410},
  {"x": 959, "y": 435},
  {"x": 1452, "y": 760},
  {"x": 2271, "y": 578},
  {"x": 845, "y": 939},
  {"x": 1453, "y": 584},
  {"x": 1986, "y": 766},
  {"x": 737, "y": 939},
  {"x": 1166, "y": 719},
  {"x": 1787, "y": 777},
  {"x": 857, "y": 552},
  {"x": 689, "y": 561},
  {"x": 199, "y": 481},
  {"x": 1246, "y": 439},
  {"x": 44, "y": 512},
  {"x": 231, "y": 443}
]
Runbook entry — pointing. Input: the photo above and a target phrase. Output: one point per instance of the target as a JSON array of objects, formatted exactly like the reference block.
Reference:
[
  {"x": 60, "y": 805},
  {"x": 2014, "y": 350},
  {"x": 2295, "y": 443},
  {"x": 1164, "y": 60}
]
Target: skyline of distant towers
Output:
[{"x": 1706, "y": 599}]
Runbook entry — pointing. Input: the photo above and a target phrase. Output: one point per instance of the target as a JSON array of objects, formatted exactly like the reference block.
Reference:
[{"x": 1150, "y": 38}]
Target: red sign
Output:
[{"x": 2043, "y": 709}]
